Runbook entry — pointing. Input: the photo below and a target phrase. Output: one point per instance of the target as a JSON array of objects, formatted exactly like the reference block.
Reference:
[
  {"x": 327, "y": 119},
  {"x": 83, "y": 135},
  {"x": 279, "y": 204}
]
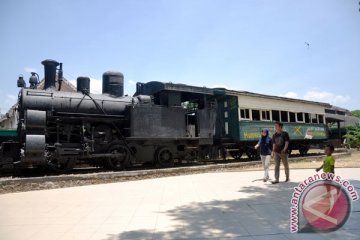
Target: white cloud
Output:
[
  {"x": 30, "y": 69},
  {"x": 73, "y": 82},
  {"x": 95, "y": 85},
  {"x": 220, "y": 86},
  {"x": 323, "y": 96},
  {"x": 10, "y": 100},
  {"x": 12, "y": 97},
  {"x": 319, "y": 96},
  {"x": 291, "y": 95},
  {"x": 131, "y": 82}
]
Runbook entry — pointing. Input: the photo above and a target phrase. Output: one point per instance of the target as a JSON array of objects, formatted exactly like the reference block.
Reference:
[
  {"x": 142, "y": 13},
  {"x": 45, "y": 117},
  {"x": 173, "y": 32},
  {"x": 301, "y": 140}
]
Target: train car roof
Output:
[
  {"x": 251, "y": 94},
  {"x": 154, "y": 87}
]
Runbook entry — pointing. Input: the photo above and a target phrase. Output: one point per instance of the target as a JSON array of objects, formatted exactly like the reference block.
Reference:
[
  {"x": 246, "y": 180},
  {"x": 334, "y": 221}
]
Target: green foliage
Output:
[
  {"x": 353, "y": 136},
  {"x": 190, "y": 105},
  {"x": 356, "y": 113}
]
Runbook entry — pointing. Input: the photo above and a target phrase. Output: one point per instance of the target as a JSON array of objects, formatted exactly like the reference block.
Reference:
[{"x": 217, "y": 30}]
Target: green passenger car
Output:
[
  {"x": 251, "y": 130},
  {"x": 7, "y": 132},
  {"x": 239, "y": 135},
  {"x": 7, "y": 135}
]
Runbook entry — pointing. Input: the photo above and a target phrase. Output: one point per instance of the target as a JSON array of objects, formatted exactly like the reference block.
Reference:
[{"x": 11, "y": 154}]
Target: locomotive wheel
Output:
[
  {"x": 61, "y": 167},
  {"x": 236, "y": 154},
  {"x": 164, "y": 157},
  {"x": 252, "y": 154},
  {"x": 193, "y": 156},
  {"x": 303, "y": 150},
  {"x": 222, "y": 153},
  {"x": 121, "y": 160}
]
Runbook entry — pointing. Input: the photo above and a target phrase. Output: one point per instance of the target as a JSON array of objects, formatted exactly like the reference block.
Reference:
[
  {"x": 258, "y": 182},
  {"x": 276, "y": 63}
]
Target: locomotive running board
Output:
[{"x": 71, "y": 114}]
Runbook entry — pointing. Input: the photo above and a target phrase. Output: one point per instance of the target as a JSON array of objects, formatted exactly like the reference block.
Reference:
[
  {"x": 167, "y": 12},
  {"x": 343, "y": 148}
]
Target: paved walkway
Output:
[{"x": 224, "y": 205}]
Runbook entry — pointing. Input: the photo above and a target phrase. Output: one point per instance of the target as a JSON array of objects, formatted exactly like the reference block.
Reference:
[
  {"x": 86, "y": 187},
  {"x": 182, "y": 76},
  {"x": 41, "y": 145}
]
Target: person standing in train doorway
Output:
[
  {"x": 265, "y": 144},
  {"x": 280, "y": 147}
]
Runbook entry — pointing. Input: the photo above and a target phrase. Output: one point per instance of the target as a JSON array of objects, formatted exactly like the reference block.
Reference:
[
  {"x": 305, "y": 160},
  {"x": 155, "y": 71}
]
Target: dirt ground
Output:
[
  {"x": 343, "y": 162},
  {"x": 350, "y": 161}
]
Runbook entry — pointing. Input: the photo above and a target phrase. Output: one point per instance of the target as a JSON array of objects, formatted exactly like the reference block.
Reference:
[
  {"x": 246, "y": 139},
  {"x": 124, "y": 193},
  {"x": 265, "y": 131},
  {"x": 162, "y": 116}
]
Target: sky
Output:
[{"x": 250, "y": 45}]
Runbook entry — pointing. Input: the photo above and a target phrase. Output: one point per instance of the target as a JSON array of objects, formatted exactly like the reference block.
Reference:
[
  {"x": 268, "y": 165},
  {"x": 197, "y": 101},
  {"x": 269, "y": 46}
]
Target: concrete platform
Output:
[{"x": 224, "y": 205}]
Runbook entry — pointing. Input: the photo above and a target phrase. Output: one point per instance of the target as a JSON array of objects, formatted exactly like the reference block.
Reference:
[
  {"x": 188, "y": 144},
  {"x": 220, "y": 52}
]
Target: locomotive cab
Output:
[{"x": 182, "y": 119}]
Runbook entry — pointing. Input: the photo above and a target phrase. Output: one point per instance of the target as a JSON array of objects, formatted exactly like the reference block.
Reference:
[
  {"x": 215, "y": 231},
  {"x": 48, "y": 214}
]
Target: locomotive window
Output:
[
  {"x": 245, "y": 113},
  {"x": 313, "y": 118},
  {"x": 330, "y": 111},
  {"x": 226, "y": 114},
  {"x": 300, "y": 117},
  {"x": 292, "y": 117},
  {"x": 255, "y": 115},
  {"x": 321, "y": 118},
  {"x": 307, "y": 117},
  {"x": 225, "y": 104},
  {"x": 284, "y": 116},
  {"x": 265, "y": 115},
  {"x": 226, "y": 128},
  {"x": 275, "y": 115}
]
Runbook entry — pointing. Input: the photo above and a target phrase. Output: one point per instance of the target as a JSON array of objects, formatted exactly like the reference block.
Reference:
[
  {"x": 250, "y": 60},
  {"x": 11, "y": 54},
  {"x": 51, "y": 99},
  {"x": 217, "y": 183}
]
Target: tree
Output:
[
  {"x": 356, "y": 113},
  {"x": 353, "y": 136}
]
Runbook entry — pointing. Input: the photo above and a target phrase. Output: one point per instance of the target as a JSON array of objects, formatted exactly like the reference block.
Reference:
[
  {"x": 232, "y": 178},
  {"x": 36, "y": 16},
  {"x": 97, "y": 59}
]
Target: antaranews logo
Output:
[{"x": 321, "y": 203}]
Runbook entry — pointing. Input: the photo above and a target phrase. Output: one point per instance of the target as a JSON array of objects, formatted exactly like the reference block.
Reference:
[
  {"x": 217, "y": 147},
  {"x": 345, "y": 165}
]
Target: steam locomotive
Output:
[{"x": 161, "y": 123}]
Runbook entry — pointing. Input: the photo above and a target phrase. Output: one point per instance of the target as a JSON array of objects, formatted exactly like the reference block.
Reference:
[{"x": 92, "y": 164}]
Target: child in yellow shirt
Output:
[{"x": 328, "y": 165}]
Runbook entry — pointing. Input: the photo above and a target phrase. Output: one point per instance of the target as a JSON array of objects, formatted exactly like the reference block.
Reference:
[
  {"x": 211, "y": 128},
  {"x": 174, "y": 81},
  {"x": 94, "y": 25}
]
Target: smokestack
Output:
[{"x": 50, "y": 73}]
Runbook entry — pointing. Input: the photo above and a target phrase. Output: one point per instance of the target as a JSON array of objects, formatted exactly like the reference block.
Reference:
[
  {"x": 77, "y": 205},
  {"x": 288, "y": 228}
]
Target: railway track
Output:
[
  {"x": 87, "y": 169},
  {"x": 8, "y": 170},
  {"x": 80, "y": 177}
]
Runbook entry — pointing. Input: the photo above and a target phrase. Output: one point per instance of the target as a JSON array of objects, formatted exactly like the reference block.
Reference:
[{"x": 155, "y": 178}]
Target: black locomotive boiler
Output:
[{"x": 162, "y": 123}]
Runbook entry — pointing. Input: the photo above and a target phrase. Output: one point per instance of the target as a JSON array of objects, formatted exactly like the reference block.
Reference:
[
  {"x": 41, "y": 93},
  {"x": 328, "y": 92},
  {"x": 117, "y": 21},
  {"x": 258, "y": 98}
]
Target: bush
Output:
[
  {"x": 356, "y": 113},
  {"x": 353, "y": 136}
]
